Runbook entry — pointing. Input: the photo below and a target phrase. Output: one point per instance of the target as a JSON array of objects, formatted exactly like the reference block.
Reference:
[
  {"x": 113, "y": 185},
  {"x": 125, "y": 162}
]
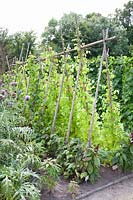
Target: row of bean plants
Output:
[{"x": 50, "y": 97}]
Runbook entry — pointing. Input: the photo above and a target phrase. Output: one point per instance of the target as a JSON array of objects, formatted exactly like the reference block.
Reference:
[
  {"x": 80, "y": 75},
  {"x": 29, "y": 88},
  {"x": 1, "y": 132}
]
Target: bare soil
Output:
[{"x": 107, "y": 175}]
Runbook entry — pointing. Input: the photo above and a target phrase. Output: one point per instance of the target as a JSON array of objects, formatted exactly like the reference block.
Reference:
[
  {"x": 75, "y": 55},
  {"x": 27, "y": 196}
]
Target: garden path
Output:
[{"x": 120, "y": 191}]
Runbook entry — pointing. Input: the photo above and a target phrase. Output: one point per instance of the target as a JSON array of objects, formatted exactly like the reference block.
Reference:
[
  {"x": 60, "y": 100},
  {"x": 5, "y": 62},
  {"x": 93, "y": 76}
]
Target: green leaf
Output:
[
  {"x": 96, "y": 161},
  {"x": 83, "y": 175},
  {"x": 131, "y": 149},
  {"x": 90, "y": 168},
  {"x": 124, "y": 157}
]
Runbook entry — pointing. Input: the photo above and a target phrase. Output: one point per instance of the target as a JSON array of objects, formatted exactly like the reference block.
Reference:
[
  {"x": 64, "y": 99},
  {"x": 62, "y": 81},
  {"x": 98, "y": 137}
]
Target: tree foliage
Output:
[
  {"x": 90, "y": 27},
  {"x": 4, "y": 42},
  {"x": 22, "y": 41},
  {"x": 125, "y": 18},
  {"x": 15, "y": 47}
]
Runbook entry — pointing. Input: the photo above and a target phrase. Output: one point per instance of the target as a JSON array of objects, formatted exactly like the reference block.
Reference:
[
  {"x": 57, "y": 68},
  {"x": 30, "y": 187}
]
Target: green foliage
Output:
[
  {"x": 49, "y": 34},
  {"x": 31, "y": 155},
  {"x": 67, "y": 25},
  {"x": 17, "y": 47},
  {"x": 20, "y": 156},
  {"x": 127, "y": 94},
  {"x": 19, "y": 40},
  {"x": 51, "y": 171},
  {"x": 15, "y": 183},
  {"x": 15, "y": 175},
  {"x": 112, "y": 131},
  {"x": 125, "y": 17},
  {"x": 79, "y": 162},
  {"x": 52, "y": 143},
  {"x": 90, "y": 27},
  {"x": 28, "y": 101},
  {"x": 124, "y": 156},
  {"x": 33, "y": 81},
  {"x": 4, "y": 41},
  {"x": 121, "y": 75}
]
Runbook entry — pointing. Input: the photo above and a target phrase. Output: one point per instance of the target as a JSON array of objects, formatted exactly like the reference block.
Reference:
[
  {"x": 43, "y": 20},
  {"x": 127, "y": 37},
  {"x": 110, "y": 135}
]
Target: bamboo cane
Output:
[
  {"x": 97, "y": 89},
  {"x": 27, "y": 52},
  {"x": 60, "y": 89},
  {"x": 21, "y": 53},
  {"x": 108, "y": 77},
  {"x": 27, "y": 88},
  {"x": 74, "y": 92},
  {"x": 47, "y": 85},
  {"x": 8, "y": 63}
]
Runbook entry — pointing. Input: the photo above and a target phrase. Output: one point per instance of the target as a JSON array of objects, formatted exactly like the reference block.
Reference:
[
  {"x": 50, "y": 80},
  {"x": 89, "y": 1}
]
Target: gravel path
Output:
[{"x": 120, "y": 191}]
